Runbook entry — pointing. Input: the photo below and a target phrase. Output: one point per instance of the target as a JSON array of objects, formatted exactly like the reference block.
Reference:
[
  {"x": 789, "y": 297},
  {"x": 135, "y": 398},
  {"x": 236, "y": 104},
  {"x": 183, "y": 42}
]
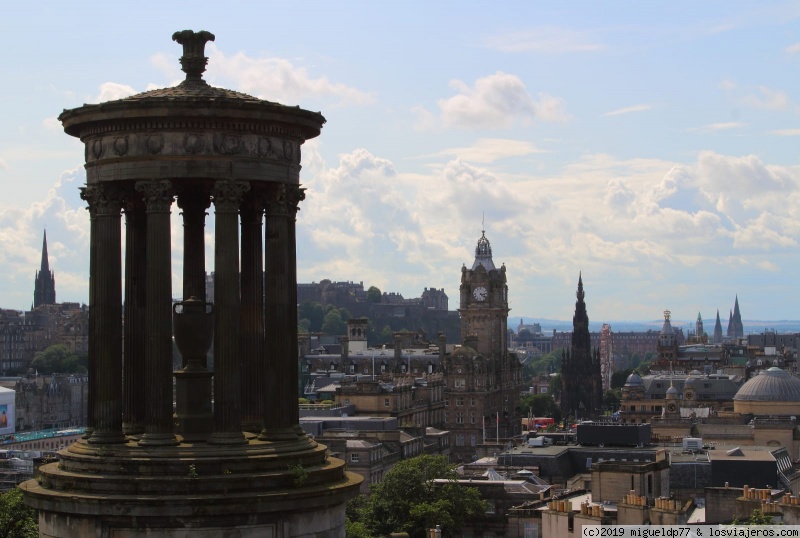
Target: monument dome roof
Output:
[
  {"x": 672, "y": 390},
  {"x": 634, "y": 380},
  {"x": 774, "y": 385}
]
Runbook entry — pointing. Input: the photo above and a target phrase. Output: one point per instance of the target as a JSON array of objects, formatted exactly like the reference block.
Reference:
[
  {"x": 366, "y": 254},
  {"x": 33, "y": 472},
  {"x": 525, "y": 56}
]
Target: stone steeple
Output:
[
  {"x": 735, "y": 326},
  {"x": 44, "y": 291},
  {"x": 718, "y": 330}
]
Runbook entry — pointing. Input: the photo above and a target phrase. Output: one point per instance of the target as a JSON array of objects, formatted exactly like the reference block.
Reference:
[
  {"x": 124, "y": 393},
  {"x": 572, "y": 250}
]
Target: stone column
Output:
[
  {"x": 194, "y": 205},
  {"x": 227, "y": 384},
  {"x": 253, "y": 370},
  {"x": 158, "y": 429},
  {"x": 105, "y": 203},
  {"x": 135, "y": 335},
  {"x": 281, "y": 416},
  {"x": 92, "y": 349}
]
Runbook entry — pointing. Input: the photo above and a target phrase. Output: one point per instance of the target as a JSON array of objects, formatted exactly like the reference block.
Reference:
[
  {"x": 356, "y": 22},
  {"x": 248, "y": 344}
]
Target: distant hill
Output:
[{"x": 750, "y": 326}]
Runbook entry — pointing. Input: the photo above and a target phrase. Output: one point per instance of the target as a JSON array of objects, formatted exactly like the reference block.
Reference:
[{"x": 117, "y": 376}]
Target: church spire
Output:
[
  {"x": 44, "y": 291},
  {"x": 45, "y": 268}
]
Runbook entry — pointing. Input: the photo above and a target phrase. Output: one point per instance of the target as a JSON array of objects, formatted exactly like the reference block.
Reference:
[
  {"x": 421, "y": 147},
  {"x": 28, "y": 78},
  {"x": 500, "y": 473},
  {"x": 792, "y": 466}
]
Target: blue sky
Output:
[{"x": 652, "y": 146}]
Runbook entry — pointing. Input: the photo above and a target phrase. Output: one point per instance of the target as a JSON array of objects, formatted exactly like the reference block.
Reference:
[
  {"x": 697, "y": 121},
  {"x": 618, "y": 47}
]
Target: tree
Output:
[
  {"x": 540, "y": 405},
  {"x": 313, "y": 312},
  {"x": 408, "y": 499},
  {"x": 333, "y": 323},
  {"x": 59, "y": 359},
  {"x": 611, "y": 399},
  {"x": 16, "y": 519},
  {"x": 619, "y": 377},
  {"x": 374, "y": 294}
]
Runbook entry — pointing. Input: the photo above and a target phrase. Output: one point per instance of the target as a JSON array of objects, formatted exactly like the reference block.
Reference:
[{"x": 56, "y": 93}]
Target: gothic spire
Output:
[{"x": 45, "y": 268}]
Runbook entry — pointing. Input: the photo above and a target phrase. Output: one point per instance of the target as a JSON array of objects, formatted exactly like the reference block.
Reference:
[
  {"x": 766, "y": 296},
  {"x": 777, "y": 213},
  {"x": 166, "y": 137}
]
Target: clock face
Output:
[
  {"x": 671, "y": 407},
  {"x": 480, "y": 293},
  {"x": 689, "y": 395}
]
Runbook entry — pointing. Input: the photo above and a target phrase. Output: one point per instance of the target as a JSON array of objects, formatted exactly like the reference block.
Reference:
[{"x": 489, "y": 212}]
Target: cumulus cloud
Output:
[
  {"x": 793, "y": 48},
  {"x": 111, "y": 91},
  {"x": 786, "y": 132},
  {"x": 548, "y": 40},
  {"x": 278, "y": 79},
  {"x": 628, "y": 110},
  {"x": 497, "y": 101}
]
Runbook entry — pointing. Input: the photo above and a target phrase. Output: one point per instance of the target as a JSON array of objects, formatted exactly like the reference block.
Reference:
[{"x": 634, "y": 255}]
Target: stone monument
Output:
[{"x": 230, "y": 460}]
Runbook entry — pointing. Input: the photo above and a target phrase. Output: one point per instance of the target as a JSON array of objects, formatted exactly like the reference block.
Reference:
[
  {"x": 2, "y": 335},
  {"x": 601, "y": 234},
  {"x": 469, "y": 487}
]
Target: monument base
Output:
[{"x": 264, "y": 489}]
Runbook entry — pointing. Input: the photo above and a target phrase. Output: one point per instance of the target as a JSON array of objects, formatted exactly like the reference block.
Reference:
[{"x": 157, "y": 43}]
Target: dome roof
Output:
[
  {"x": 690, "y": 381},
  {"x": 772, "y": 385},
  {"x": 672, "y": 390},
  {"x": 464, "y": 351},
  {"x": 634, "y": 380}
]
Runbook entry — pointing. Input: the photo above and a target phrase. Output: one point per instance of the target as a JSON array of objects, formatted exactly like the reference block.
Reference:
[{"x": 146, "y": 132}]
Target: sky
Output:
[{"x": 652, "y": 147}]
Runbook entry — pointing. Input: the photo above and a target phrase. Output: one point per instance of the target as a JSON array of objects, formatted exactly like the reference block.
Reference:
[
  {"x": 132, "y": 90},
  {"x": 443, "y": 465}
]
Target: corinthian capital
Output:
[
  {"x": 284, "y": 200},
  {"x": 228, "y": 194},
  {"x": 157, "y": 195},
  {"x": 102, "y": 200}
]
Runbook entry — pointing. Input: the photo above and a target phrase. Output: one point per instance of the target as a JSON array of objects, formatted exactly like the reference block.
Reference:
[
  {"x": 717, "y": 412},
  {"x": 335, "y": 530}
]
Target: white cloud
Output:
[
  {"x": 278, "y": 79},
  {"x": 487, "y": 150},
  {"x": 714, "y": 127},
  {"x": 111, "y": 91},
  {"x": 786, "y": 132},
  {"x": 768, "y": 99},
  {"x": 3, "y": 164},
  {"x": 727, "y": 85},
  {"x": 548, "y": 40},
  {"x": 497, "y": 101},
  {"x": 628, "y": 110},
  {"x": 793, "y": 48}
]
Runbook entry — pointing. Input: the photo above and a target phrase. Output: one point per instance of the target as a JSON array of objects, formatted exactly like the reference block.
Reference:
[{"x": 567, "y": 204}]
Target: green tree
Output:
[
  {"x": 374, "y": 294},
  {"x": 619, "y": 377},
  {"x": 58, "y": 359},
  {"x": 540, "y": 405},
  {"x": 313, "y": 312},
  {"x": 408, "y": 499},
  {"x": 611, "y": 399},
  {"x": 333, "y": 323},
  {"x": 16, "y": 519}
]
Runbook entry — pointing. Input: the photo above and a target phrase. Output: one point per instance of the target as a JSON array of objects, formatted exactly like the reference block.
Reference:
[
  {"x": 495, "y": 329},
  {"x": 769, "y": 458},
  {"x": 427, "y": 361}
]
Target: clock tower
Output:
[{"x": 484, "y": 302}]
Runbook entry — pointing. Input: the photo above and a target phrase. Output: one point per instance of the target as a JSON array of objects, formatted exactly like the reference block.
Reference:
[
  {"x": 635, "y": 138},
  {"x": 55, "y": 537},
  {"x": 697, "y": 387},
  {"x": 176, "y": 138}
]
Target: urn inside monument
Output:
[{"x": 193, "y": 324}]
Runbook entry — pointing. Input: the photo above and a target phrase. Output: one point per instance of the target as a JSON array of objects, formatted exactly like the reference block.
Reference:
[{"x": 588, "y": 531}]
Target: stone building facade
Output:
[{"x": 56, "y": 401}]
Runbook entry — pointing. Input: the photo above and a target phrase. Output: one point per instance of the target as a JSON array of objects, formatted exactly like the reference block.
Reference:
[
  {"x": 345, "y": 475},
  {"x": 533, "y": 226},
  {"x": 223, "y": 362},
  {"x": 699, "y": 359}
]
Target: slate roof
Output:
[{"x": 772, "y": 385}]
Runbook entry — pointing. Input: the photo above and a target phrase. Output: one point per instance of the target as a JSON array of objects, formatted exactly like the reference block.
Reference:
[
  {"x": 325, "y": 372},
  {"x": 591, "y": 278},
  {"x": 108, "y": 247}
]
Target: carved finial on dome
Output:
[{"x": 194, "y": 60}]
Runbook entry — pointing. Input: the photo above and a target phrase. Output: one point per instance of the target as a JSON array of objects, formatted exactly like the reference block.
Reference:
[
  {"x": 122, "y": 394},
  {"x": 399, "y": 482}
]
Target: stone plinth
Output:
[{"x": 260, "y": 489}]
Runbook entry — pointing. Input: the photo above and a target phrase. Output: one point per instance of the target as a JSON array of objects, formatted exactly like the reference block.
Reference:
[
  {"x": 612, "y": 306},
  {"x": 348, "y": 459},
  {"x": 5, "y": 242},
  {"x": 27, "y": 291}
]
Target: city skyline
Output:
[{"x": 654, "y": 149}]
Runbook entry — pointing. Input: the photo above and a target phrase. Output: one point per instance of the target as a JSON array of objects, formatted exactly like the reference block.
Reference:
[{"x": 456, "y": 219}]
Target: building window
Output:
[
  {"x": 352, "y": 368},
  {"x": 459, "y": 418},
  {"x": 459, "y": 402},
  {"x": 459, "y": 383},
  {"x": 354, "y": 458},
  {"x": 472, "y": 440},
  {"x": 472, "y": 402},
  {"x": 460, "y": 439},
  {"x": 472, "y": 418},
  {"x": 386, "y": 402}
]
